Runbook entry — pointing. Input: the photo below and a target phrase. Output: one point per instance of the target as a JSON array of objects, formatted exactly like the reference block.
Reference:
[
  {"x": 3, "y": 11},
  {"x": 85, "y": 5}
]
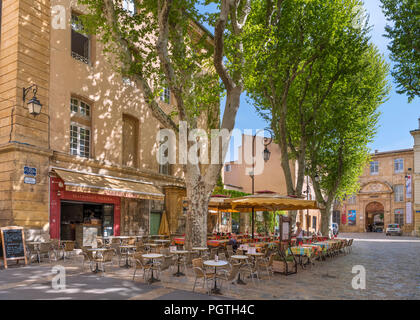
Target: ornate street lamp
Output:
[
  {"x": 34, "y": 106},
  {"x": 266, "y": 156}
]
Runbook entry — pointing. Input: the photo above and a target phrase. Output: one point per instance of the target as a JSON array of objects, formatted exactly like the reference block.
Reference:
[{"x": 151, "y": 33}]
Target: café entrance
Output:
[{"x": 75, "y": 214}]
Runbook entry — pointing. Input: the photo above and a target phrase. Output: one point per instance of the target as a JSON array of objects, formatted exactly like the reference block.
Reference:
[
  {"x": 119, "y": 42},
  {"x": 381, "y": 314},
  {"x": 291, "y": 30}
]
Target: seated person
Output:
[{"x": 233, "y": 242}]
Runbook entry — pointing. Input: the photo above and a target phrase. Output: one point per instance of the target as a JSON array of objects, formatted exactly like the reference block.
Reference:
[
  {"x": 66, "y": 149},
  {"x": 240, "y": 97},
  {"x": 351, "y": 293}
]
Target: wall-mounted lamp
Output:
[{"x": 34, "y": 106}]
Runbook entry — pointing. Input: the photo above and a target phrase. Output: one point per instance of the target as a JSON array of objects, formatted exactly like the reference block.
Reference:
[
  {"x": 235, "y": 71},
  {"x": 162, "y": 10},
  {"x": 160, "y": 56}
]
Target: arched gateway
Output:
[{"x": 374, "y": 215}]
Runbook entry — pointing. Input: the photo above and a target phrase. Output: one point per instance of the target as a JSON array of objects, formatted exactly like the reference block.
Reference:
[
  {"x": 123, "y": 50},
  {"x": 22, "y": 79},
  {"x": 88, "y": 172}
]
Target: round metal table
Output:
[
  {"x": 95, "y": 250},
  {"x": 215, "y": 264},
  {"x": 128, "y": 247},
  {"x": 240, "y": 258},
  {"x": 179, "y": 253},
  {"x": 152, "y": 256}
]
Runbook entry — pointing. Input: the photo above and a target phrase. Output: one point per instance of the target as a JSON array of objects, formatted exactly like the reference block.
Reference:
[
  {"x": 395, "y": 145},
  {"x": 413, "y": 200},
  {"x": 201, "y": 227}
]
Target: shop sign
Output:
[
  {"x": 29, "y": 180},
  {"x": 29, "y": 171}
]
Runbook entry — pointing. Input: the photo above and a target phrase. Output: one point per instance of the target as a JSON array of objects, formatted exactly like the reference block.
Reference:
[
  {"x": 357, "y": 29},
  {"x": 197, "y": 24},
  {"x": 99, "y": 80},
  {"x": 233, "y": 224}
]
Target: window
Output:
[
  {"x": 79, "y": 108},
  {"x": 164, "y": 164},
  {"x": 374, "y": 167},
  {"x": 225, "y": 218},
  {"x": 80, "y": 136},
  {"x": 164, "y": 168},
  {"x": 130, "y": 141},
  {"x": 351, "y": 200},
  {"x": 314, "y": 222},
  {"x": 228, "y": 168},
  {"x": 129, "y": 5},
  {"x": 398, "y": 165},
  {"x": 399, "y": 193},
  {"x": 165, "y": 95},
  {"x": 399, "y": 216},
  {"x": 336, "y": 217},
  {"x": 80, "y": 41},
  {"x": 79, "y": 140}
]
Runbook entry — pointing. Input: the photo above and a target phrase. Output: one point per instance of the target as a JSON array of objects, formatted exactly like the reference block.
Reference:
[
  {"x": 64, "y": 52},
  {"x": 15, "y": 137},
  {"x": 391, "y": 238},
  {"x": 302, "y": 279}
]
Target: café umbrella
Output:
[
  {"x": 164, "y": 225},
  {"x": 268, "y": 201},
  {"x": 218, "y": 204}
]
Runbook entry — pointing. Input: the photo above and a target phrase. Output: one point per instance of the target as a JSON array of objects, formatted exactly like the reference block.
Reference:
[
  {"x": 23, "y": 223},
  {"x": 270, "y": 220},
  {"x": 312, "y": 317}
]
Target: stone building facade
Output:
[
  {"x": 416, "y": 178},
  {"x": 269, "y": 177},
  {"x": 386, "y": 195},
  {"x": 93, "y": 147}
]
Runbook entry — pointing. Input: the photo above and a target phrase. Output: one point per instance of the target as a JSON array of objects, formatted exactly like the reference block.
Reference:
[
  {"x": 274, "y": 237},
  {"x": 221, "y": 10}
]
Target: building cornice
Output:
[
  {"x": 163, "y": 180},
  {"x": 23, "y": 147}
]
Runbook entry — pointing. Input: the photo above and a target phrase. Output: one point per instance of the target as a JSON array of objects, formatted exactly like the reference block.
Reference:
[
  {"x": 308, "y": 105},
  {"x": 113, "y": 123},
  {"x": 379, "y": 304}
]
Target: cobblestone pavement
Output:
[{"x": 391, "y": 264}]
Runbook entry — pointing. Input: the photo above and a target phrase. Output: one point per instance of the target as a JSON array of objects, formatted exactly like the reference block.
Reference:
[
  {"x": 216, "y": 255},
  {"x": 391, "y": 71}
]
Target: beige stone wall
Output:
[
  {"x": 272, "y": 177},
  {"x": 24, "y": 60},
  {"x": 111, "y": 99},
  {"x": 416, "y": 179},
  {"x": 380, "y": 188}
]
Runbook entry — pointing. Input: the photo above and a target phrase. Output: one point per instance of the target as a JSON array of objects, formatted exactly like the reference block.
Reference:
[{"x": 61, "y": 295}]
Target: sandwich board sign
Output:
[{"x": 13, "y": 244}]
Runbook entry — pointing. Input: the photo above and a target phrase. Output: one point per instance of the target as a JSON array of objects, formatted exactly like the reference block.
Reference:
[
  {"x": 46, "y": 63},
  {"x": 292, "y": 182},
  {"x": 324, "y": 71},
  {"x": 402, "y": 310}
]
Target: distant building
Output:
[
  {"x": 385, "y": 196},
  {"x": 236, "y": 177},
  {"x": 416, "y": 179}
]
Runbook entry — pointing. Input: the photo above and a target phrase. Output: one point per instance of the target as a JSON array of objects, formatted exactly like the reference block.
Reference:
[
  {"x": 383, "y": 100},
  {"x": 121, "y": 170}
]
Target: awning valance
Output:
[
  {"x": 112, "y": 186},
  {"x": 271, "y": 203}
]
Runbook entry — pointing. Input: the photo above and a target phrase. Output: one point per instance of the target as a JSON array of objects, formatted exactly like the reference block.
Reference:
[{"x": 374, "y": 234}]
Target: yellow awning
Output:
[
  {"x": 271, "y": 203},
  {"x": 112, "y": 186}
]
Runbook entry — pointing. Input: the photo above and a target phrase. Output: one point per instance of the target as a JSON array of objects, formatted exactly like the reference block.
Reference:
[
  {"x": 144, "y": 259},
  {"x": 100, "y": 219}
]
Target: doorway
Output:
[
  {"x": 374, "y": 214},
  {"x": 155, "y": 217},
  {"x": 81, "y": 213}
]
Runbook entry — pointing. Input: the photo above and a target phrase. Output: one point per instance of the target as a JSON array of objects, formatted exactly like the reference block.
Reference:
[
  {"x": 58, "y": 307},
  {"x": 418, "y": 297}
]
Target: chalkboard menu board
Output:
[
  {"x": 13, "y": 243},
  {"x": 284, "y": 228}
]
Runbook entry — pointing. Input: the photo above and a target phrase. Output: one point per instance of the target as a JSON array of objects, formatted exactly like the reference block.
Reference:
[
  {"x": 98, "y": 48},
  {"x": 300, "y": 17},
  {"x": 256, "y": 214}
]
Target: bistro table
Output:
[
  {"x": 127, "y": 247},
  {"x": 179, "y": 253},
  {"x": 241, "y": 258},
  {"x": 162, "y": 241},
  {"x": 303, "y": 251},
  {"x": 152, "y": 256},
  {"x": 97, "y": 250},
  {"x": 215, "y": 264}
]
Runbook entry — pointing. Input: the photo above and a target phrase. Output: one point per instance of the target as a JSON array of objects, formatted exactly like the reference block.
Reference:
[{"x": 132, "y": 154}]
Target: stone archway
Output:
[{"x": 374, "y": 212}]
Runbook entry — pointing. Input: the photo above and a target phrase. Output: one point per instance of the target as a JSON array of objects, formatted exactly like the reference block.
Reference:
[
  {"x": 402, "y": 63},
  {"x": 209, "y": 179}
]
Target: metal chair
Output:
[
  {"x": 87, "y": 257},
  {"x": 31, "y": 252},
  {"x": 230, "y": 276},
  {"x": 117, "y": 251},
  {"x": 262, "y": 264},
  {"x": 68, "y": 249},
  {"x": 200, "y": 273},
  {"x": 44, "y": 249},
  {"x": 57, "y": 249},
  {"x": 106, "y": 257}
]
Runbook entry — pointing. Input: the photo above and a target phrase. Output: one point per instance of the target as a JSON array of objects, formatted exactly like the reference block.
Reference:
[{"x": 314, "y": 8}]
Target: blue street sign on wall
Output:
[
  {"x": 29, "y": 171},
  {"x": 29, "y": 180}
]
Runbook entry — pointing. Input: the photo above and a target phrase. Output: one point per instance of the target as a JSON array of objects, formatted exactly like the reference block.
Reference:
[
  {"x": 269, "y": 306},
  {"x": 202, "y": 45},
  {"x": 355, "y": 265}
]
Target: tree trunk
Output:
[
  {"x": 292, "y": 216},
  {"x": 244, "y": 222},
  {"x": 326, "y": 220},
  {"x": 196, "y": 225}
]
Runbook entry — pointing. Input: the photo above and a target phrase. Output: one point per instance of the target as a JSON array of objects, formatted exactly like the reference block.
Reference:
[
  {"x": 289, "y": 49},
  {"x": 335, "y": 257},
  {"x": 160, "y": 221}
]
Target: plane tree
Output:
[{"x": 161, "y": 43}]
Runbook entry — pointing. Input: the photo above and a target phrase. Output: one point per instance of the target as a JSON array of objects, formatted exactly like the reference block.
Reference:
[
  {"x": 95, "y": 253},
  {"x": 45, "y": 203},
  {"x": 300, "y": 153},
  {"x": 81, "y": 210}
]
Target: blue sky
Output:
[{"x": 397, "y": 117}]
